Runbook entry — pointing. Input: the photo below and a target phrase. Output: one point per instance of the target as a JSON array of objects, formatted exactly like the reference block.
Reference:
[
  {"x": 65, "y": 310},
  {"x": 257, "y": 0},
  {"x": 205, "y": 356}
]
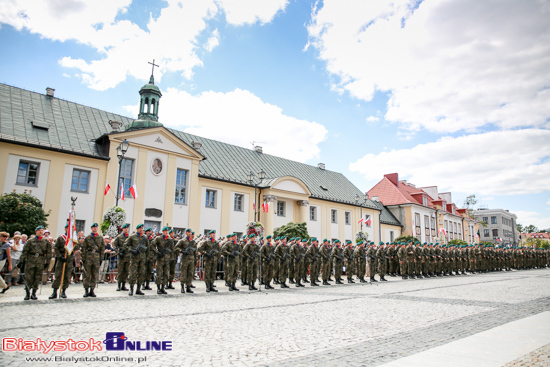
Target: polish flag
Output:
[
  {"x": 368, "y": 222},
  {"x": 121, "y": 192},
  {"x": 442, "y": 230},
  {"x": 361, "y": 220},
  {"x": 253, "y": 206},
  {"x": 133, "y": 191},
  {"x": 267, "y": 207},
  {"x": 107, "y": 188}
]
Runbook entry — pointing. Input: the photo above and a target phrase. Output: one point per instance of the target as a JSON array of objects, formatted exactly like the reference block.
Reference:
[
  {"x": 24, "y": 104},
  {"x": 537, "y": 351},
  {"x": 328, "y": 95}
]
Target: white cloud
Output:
[
  {"x": 494, "y": 163},
  {"x": 239, "y": 117},
  {"x": 447, "y": 65},
  {"x": 173, "y": 38},
  {"x": 240, "y": 12},
  {"x": 526, "y": 218},
  {"x": 372, "y": 119}
]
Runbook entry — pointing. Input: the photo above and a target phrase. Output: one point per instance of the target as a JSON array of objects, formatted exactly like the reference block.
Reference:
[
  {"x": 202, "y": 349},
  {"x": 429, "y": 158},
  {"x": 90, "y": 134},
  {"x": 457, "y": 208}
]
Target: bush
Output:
[
  {"x": 292, "y": 230},
  {"x": 457, "y": 242},
  {"x": 406, "y": 239}
]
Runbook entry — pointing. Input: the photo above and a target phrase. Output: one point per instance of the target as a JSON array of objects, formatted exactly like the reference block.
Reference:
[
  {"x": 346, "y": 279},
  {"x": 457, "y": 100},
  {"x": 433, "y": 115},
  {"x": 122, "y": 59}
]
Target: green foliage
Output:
[
  {"x": 470, "y": 201},
  {"x": 519, "y": 227},
  {"x": 292, "y": 230},
  {"x": 537, "y": 242},
  {"x": 530, "y": 229},
  {"x": 486, "y": 243},
  {"x": 406, "y": 239},
  {"x": 457, "y": 242},
  {"x": 21, "y": 212}
]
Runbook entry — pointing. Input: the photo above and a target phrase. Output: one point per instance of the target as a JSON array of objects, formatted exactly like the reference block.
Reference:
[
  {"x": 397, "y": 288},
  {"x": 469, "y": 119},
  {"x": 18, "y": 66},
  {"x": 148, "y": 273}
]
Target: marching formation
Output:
[{"x": 270, "y": 261}]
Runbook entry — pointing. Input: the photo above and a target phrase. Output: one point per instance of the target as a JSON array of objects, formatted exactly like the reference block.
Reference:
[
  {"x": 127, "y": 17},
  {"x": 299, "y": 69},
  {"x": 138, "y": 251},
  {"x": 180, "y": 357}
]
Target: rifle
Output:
[
  {"x": 212, "y": 253},
  {"x": 253, "y": 256},
  {"x": 141, "y": 245},
  {"x": 235, "y": 252}
]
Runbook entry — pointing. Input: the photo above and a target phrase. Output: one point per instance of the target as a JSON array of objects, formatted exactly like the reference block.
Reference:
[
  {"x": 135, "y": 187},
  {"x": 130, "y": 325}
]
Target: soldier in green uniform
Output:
[
  {"x": 92, "y": 252},
  {"x": 137, "y": 245},
  {"x": 324, "y": 254},
  {"x": 337, "y": 258},
  {"x": 418, "y": 259},
  {"x": 282, "y": 253},
  {"x": 244, "y": 260},
  {"x": 252, "y": 253},
  {"x": 290, "y": 261},
  {"x": 275, "y": 262},
  {"x": 63, "y": 257},
  {"x": 311, "y": 254},
  {"x": 302, "y": 262},
  {"x": 187, "y": 248},
  {"x": 371, "y": 261},
  {"x": 295, "y": 260},
  {"x": 358, "y": 257},
  {"x": 403, "y": 259},
  {"x": 123, "y": 258},
  {"x": 268, "y": 259},
  {"x": 162, "y": 247},
  {"x": 149, "y": 261},
  {"x": 348, "y": 258},
  {"x": 34, "y": 259},
  {"x": 210, "y": 250},
  {"x": 381, "y": 256},
  {"x": 230, "y": 252},
  {"x": 172, "y": 261}
]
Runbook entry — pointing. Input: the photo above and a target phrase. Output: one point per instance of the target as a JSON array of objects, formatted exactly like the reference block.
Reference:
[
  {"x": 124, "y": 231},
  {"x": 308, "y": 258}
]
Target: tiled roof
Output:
[{"x": 73, "y": 128}]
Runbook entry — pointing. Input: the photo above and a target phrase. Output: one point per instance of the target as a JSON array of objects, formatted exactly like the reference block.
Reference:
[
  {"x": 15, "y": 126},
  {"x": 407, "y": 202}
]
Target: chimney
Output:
[
  {"x": 375, "y": 198},
  {"x": 321, "y": 166},
  {"x": 258, "y": 149},
  {"x": 115, "y": 125},
  {"x": 196, "y": 145},
  {"x": 50, "y": 91},
  {"x": 393, "y": 177}
]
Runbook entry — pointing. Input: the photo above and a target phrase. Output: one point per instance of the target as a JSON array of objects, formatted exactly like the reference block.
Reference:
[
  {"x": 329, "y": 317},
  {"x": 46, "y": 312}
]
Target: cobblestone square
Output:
[{"x": 351, "y": 324}]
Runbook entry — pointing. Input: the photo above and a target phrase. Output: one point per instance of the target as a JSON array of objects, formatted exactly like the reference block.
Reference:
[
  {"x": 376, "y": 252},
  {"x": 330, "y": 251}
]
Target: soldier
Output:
[
  {"x": 34, "y": 259},
  {"x": 244, "y": 261},
  {"x": 186, "y": 247},
  {"x": 348, "y": 258},
  {"x": 337, "y": 258},
  {"x": 162, "y": 246},
  {"x": 172, "y": 261},
  {"x": 403, "y": 259},
  {"x": 381, "y": 256},
  {"x": 137, "y": 245},
  {"x": 210, "y": 249},
  {"x": 371, "y": 260},
  {"x": 291, "y": 260},
  {"x": 123, "y": 259},
  {"x": 252, "y": 252},
  {"x": 295, "y": 259},
  {"x": 358, "y": 256},
  {"x": 267, "y": 262},
  {"x": 418, "y": 259},
  {"x": 312, "y": 254},
  {"x": 304, "y": 263},
  {"x": 472, "y": 258},
  {"x": 330, "y": 247},
  {"x": 282, "y": 253},
  {"x": 324, "y": 253},
  {"x": 63, "y": 258},
  {"x": 230, "y": 252},
  {"x": 92, "y": 251},
  {"x": 149, "y": 261},
  {"x": 275, "y": 262}
]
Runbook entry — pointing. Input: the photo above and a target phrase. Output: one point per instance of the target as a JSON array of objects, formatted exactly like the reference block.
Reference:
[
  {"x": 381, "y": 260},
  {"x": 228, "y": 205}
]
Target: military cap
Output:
[
  {"x": 66, "y": 225},
  {"x": 298, "y": 238},
  {"x": 188, "y": 230},
  {"x": 212, "y": 231},
  {"x": 268, "y": 237},
  {"x": 229, "y": 235},
  {"x": 139, "y": 226},
  {"x": 372, "y": 243},
  {"x": 348, "y": 242},
  {"x": 337, "y": 241},
  {"x": 261, "y": 238},
  {"x": 94, "y": 225},
  {"x": 324, "y": 240},
  {"x": 282, "y": 238},
  {"x": 313, "y": 239},
  {"x": 148, "y": 229},
  {"x": 292, "y": 239},
  {"x": 39, "y": 227},
  {"x": 192, "y": 232},
  {"x": 165, "y": 228},
  {"x": 277, "y": 238},
  {"x": 360, "y": 242},
  {"x": 380, "y": 243},
  {"x": 125, "y": 225},
  {"x": 251, "y": 235},
  {"x": 171, "y": 231}
]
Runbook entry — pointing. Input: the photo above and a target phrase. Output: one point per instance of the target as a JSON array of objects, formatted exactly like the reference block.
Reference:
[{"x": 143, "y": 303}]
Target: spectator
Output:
[
  {"x": 112, "y": 265},
  {"x": 104, "y": 268},
  {"x": 16, "y": 250},
  {"x": 77, "y": 270},
  {"x": 5, "y": 258},
  {"x": 24, "y": 239}
]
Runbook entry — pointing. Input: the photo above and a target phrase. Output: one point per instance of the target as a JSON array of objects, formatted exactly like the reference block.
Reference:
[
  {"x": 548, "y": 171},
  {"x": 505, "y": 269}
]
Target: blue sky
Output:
[{"x": 443, "y": 92}]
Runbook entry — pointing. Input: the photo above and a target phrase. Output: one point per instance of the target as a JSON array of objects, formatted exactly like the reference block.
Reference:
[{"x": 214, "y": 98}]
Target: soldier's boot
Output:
[
  {"x": 189, "y": 290},
  {"x": 91, "y": 293},
  {"x": 412, "y": 276},
  {"x": 373, "y": 280},
  {"x": 404, "y": 277},
  {"x": 147, "y": 288},
  {"x": 162, "y": 289},
  {"x": 63, "y": 295},
  {"x": 242, "y": 282},
  {"x": 119, "y": 285},
  {"x": 138, "y": 290},
  {"x": 362, "y": 280},
  {"x": 27, "y": 294},
  {"x": 86, "y": 294},
  {"x": 291, "y": 281},
  {"x": 212, "y": 289},
  {"x": 235, "y": 288},
  {"x": 207, "y": 287},
  {"x": 283, "y": 285},
  {"x": 33, "y": 295},
  {"x": 182, "y": 288},
  {"x": 338, "y": 281},
  {"x": 330, "y": 279},
  {"x": 383, "y": 279},
  {"x": 124, "y": 287},
  {"x": 298, "y": 285},
  {"x": 325, "y": 282},
  {"x": 226, "y": 283},
  {"x": 131, "y": 293},
  {"x": 158, "y": 289},
  {"x": 452, "y": 274},
  {"x": 54, "y": 294},
  {"x": 170, "y": 286},
  {"x": 253, "y": 288},
  {"x": 419, "y": 276},
  {"x": 302, "y": 284}
]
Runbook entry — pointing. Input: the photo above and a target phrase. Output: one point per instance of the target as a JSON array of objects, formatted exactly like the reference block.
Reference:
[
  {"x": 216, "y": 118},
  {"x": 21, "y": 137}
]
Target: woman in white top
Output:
[{"x": 16, "y": 250}]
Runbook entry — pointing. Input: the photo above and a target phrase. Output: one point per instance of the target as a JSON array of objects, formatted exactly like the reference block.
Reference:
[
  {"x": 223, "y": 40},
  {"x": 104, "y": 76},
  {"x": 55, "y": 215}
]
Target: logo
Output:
[{"x": 119, "y": 341}]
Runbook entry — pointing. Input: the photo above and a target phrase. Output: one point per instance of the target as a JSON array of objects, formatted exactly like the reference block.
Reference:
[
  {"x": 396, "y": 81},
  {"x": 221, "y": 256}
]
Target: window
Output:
[
  {"x": 80, "y": 180},
  {"x": 486, "y": 233},
  {"x": 456, "y": 232},
  {"x": 333, "y": 216},
  {"x": 180, "y": 232},
  {"x": 433, "y": 226},
  {"x": 210, "y": 198},
  {"x": 181, "y": 186},
  {"x": 239, "y": 235},
  {"x": 238, "y": 205},
  {"x": 427, "y": 225},
  {"x": 312, "y": 213},
  {"x": 347, "y": 218},
  {"x": 80, "y": 225},
  {"x": 485, "y": 219},
  {"x": 280, "y": 208},
  {"x": 391, "y": 236},
  {"x": 27, "y": 174},
  {"x": 460, "y": 231},
  {"x": 206, "y": 233},
  {"x": 493, "y": 220},
  {"x": 417, "y": 223},
  {"x": 126, "y": 173},
  {"x": 424, "y": 201},
  {"x": 495, "y": 232}
]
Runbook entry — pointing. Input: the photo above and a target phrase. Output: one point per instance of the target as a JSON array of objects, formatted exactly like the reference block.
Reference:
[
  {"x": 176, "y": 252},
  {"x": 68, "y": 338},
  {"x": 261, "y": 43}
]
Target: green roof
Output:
[{"x": 74, "y": 128}]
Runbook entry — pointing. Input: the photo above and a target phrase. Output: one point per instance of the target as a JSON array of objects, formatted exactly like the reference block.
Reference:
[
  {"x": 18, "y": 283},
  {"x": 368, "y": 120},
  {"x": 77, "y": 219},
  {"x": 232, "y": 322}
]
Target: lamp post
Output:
[
  {"x": 365, "y": 198},
  {"x": 120, "y": 152},
  {"x": 250, "y": 177}
]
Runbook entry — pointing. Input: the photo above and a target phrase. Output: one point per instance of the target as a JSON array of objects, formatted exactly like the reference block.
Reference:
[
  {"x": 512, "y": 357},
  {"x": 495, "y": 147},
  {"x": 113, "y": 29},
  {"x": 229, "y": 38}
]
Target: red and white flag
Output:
[
  {"x": 121, "y": 192},
  {"x": 71, "y": 239},
  {"x": 442, "y": 230},
  {"x": 267, "y": 206},
  {"x": 361, "y": 220},
  {"x": 368, "y": 221},
  {"x": 254, "y": 206},
  {"x": 133, "y": 191},
  {"x": 107, "y": 188}
]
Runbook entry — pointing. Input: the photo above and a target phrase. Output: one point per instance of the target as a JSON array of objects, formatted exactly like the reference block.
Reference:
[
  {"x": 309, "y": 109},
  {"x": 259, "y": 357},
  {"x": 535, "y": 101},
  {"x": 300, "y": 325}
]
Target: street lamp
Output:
[
  {"x": 120, "y": 152},
  {"x": 365, "y": 198},
  {"x": 250, "y": 178}
]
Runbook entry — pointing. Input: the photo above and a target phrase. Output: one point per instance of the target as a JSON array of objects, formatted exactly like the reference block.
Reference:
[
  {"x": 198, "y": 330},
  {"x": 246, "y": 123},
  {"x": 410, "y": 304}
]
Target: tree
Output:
[
  {"x": 21, "y": 212},
  {"x": 531, "y": 229},
  {"x": 519, "y": 227},
  {"x": 292, "y": 230},
  {"x": 469, "y": 203},
  {"x": 406, "y": 239}
]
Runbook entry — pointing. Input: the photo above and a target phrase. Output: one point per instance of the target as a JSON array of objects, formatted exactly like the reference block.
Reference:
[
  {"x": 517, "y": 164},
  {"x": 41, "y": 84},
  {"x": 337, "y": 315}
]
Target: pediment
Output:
[{"x": 291, "y": 184}]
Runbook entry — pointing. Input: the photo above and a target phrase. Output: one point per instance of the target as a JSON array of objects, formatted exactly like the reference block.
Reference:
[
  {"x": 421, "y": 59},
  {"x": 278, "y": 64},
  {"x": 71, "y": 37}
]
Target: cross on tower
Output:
[{"x": 153, "y": 67}]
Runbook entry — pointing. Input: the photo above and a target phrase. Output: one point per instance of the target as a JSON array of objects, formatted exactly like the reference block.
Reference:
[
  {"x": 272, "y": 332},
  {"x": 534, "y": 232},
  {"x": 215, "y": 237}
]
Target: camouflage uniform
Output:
[
  {"x": 162, "y": 246},
  {"x": 359, "y": 258},
  {"x": 268, "y": 259},
  {"x": 187, "y": 248},
  {"x": 403, "y": 259},
  {"x": 252, "y": 253},
  {"x": 230, "y": 252},
  {"x": 371, "y": 258},
  {"x": 123, "y": 261},
  {"x": 36, "y": 256},
  {"x": 337, "y": 258},
  {"x": 63, "y": 258},
  {"x": 381, "y": 255},
  {"x": 210, "y": 249},
  {"x": 296, "y": 260},
  {"x": 324, "y": 253},
  {"x": 92, "y": 252},
  {"x": 312, "y": 254},
  {"x": 137, "y": 259},
  {"x": 244, "y": 264},
  {"x": 282, "y": 253}
]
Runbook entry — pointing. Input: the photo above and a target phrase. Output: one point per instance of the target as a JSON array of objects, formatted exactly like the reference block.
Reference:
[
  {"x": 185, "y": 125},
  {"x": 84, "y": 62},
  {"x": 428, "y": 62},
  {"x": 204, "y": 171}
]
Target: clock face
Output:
[{"x": 156, "y": 166}]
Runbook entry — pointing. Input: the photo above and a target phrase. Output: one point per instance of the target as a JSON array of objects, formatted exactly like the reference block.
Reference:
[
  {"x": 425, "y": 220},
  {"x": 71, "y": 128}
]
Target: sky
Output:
[{"x": 454, "y": 94}]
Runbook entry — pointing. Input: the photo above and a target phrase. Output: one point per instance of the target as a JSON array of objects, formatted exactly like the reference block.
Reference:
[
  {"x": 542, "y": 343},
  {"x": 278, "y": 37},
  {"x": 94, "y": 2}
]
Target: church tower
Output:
[{"x": 148, "y": 106}]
